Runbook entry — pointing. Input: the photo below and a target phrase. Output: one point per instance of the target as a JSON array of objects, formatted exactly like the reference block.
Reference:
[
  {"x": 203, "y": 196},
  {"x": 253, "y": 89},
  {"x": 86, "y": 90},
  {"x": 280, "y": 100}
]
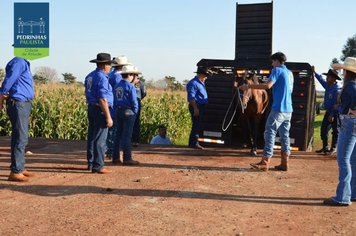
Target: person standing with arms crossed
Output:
[
  {"x": 18, "y": 91},
  {"x": 332, "y": 90},
  {"x": 197, "y": 97},
  {"x": 281, "y": 81},
  {"x": 346, "y": 145},
  {"x": 99, "y": 96}
]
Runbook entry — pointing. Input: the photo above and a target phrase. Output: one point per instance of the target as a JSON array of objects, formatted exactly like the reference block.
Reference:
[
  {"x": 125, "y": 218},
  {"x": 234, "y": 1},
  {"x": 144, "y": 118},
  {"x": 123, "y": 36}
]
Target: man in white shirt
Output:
[{"x": 161, "y": 138}]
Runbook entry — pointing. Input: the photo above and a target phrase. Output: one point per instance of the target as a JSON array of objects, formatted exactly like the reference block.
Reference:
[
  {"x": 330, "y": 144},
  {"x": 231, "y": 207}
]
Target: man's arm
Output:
[
  {"x": 104, "y": 106},
  {"x": 2, "y": 98},
  {"x": 195, "y": 107},
  {"x": 265, "y": 86}
]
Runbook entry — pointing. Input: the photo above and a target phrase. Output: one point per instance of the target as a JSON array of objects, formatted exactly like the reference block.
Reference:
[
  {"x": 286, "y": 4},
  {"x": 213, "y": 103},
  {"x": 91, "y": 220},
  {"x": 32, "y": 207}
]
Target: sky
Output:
[{"x": 169, "y": 37}]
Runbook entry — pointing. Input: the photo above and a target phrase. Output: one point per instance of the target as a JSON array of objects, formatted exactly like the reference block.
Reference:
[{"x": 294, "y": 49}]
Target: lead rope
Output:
[{"x": 237, "y": 104}]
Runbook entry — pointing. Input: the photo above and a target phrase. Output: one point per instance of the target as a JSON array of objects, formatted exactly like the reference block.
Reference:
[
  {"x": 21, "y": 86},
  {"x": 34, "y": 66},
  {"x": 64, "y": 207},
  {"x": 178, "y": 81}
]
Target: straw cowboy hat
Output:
[
  {"x": 102, "y": 58},
  {"x": 130, "y": 69},
  {"x": 333, "y": 73},
  {"x": 349, "y": 64},
  {"x": 120, "y": 61}
]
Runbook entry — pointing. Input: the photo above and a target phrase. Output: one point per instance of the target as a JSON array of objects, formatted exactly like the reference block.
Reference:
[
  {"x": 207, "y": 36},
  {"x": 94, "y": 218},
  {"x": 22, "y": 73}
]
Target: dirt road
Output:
[{"x": 176, "y": 191}]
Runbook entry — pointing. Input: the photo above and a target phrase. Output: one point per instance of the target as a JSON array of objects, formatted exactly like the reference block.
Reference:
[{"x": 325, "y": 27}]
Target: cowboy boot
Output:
[
  {"x": 284, "y": 162},
  {"x": 263, "y": 165}
]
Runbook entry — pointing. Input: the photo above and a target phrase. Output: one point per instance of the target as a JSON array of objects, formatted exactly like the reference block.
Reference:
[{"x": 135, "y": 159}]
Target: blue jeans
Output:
[
  {"x": 19, "y": 113},
  {"x": 136, "y": 128},
  {"x": 196, "y": 124},
  {"x": 97, "y": 134},
  {"x": 111, "y": 135},
  {"x": 325, "y": 127},
  {"x": 125, "y": 121},
  {"x": 277, "y": 121},
  {"x": 346, "y": 159}
]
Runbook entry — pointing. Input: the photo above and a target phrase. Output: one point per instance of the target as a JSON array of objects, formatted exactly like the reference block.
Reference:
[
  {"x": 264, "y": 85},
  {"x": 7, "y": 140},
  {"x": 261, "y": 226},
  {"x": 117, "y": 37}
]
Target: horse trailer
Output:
[{"x": 224, "y": 123}]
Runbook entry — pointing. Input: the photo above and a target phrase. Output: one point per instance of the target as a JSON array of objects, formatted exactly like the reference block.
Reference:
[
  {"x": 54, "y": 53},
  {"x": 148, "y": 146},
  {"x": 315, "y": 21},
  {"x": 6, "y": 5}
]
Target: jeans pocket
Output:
[{"x": 129, "y": 112}]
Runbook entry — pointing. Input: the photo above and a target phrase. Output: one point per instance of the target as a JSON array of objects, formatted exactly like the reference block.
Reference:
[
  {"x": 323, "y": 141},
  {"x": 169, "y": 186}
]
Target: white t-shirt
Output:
[{"x": 160, "y": 141}]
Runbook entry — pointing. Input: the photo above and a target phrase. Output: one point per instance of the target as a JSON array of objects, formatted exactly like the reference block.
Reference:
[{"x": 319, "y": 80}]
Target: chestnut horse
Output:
[{"x": 254, "y": 103}]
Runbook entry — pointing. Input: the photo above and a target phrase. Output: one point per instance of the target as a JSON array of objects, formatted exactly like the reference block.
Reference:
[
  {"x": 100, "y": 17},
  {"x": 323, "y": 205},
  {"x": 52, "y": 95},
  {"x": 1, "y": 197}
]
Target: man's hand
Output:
[
  {"x": 196, "y": 112},
  {"x": 331, "y": 119},
  {"x": 109, "y": 122},
  {"x": 243, "y": 87}
]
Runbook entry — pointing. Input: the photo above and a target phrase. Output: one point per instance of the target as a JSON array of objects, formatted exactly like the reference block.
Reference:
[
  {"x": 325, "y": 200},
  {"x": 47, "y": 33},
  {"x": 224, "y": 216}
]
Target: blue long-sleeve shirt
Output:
[
  {"x": 125, "y": 96},
  {"x": 196, "y": 91},
  {"x": 331, "y": 94},
  {"x": 18, "y": 82},
  {"x": 97, "y": 87},
  {"x": 114, "y": 78},
  {"x": 348, "y": 97}
]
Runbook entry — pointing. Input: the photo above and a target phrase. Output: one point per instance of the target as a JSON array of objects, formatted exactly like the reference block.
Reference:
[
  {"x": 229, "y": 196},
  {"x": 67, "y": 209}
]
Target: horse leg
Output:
[{"x": 253, "y": 135}]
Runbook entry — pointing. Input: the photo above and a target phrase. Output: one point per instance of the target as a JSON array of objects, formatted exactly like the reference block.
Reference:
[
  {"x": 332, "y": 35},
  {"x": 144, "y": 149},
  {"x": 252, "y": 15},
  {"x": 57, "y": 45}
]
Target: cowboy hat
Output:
[
  {"x": 333, "y": 73},
  {"x": 349, "y": 64},
  {"x": 202, "y": 70},
  {"x": 130, "y": 69},
  {"x": 102, "y": 58},
  {"x": 120, "y": 61}
]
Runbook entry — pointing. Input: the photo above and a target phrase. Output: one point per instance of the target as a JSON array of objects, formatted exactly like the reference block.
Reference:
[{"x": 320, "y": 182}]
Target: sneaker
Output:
[
  {"x": 131, "y": 163},
  {"x": 331, "y": 202},
  {"x": 324, "y": 150},
  {"x": 332, "y": 151}
]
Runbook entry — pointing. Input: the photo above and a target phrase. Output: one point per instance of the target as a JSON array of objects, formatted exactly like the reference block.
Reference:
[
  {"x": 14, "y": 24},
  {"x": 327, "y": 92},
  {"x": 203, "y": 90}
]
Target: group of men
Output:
[{"x": 114, "y": 108}]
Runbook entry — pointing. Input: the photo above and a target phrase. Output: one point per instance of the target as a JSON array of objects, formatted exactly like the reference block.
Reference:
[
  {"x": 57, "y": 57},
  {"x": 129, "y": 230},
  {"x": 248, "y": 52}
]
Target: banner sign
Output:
[{"x": 31, "y": 30}]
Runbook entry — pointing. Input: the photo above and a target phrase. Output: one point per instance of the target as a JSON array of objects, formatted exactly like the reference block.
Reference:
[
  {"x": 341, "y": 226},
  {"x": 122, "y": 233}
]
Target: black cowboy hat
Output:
[
  {"x": 203, "y": 70},
  {"x": 102, "y": 58},
  {"x": 333, "y": 73}
]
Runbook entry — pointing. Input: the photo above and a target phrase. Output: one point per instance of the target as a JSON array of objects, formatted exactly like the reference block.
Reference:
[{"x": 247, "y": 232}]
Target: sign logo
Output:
[{"x": 31, "y": 30}]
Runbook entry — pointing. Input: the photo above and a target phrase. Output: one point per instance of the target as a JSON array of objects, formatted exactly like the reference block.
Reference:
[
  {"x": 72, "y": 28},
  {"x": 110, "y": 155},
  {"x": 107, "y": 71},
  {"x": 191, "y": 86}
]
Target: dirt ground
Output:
[{"x": 175, "y": 191}]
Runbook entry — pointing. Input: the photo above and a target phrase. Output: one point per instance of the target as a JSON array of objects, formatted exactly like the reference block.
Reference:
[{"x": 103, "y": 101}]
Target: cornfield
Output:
[{"x": 59, "y": 111}]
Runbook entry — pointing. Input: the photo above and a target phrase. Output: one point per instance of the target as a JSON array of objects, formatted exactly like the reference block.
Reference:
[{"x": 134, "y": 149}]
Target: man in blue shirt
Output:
[
  {"x": 332, "y": 90},
  {"x": 281, "y": 81},
  {"x": 99, "y": 96},
  {"x": 18, "y": 91},
  {"x": 114, "y": 78},
  {"x": 126, "y": 107},
  {"x": 141, "y": 94},
  {"x": 197, "y": 97}
]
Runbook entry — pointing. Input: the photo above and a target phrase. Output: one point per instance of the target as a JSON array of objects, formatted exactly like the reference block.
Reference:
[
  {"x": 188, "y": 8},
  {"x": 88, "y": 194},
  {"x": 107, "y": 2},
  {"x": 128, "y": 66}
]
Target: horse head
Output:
[
  {"x": 247, "y": 79},
  {"x": 255, "y": 101}
]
